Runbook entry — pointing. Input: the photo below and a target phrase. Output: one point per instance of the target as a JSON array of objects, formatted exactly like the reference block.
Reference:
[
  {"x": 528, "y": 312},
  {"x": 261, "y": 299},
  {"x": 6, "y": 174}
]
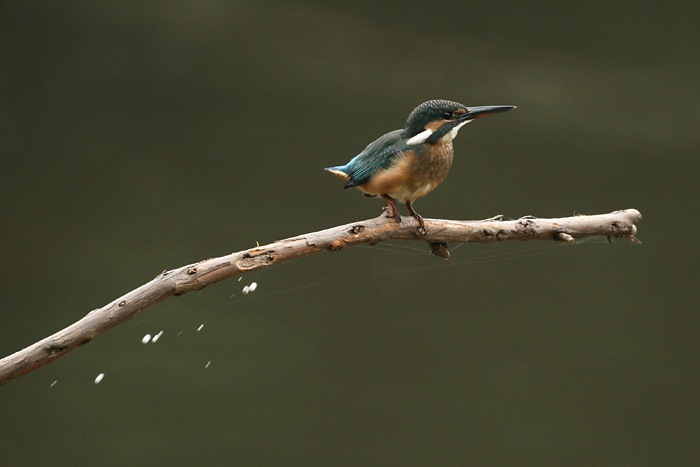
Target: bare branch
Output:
[{"x": 618, "y": 224}]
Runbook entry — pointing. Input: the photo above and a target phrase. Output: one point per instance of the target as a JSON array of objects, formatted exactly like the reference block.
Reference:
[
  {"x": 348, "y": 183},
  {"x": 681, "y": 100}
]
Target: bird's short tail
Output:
[{"x": 338, "y": 171}]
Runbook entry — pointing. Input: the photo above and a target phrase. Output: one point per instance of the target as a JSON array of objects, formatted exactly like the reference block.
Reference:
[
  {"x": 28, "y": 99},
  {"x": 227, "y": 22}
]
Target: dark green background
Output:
[{"x": 141, "y": 136}]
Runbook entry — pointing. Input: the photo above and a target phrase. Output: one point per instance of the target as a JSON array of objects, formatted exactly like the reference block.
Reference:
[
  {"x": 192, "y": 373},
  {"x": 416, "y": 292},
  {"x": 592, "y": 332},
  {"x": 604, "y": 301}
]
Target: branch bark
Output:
[{"x": 618, "y": 224}]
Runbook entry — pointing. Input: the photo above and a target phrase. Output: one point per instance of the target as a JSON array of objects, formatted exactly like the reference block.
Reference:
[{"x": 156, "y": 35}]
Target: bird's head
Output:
[{"x": 433, "y": 120}]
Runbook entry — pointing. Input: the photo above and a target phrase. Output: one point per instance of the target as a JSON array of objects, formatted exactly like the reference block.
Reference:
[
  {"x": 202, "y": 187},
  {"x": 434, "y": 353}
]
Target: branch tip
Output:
[
  {"x": 440, "y": 250},
  {"x": 565, "y": 237}
]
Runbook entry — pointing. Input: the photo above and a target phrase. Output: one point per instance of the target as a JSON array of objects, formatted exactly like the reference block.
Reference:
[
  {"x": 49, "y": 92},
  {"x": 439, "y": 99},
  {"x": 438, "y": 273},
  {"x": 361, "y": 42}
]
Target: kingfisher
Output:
[{"x": 407, "y": 164}]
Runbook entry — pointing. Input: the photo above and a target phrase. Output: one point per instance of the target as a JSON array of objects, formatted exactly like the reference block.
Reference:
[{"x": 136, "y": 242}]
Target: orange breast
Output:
[{"x": 413, "y": 175}]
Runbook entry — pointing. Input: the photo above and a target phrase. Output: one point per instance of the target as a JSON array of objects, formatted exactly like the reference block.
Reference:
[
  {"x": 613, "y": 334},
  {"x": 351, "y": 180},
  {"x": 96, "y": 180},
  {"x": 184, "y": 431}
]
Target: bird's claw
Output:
[
  {"x": 392, "y": 213},
  {"x": 421, "y": 225}
]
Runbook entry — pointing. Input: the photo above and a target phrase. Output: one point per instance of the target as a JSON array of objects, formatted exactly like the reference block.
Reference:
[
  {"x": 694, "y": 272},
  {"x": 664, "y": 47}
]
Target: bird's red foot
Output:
[
  {"x": 421, "y": 225},
  {"x": 392, "y": 211}
]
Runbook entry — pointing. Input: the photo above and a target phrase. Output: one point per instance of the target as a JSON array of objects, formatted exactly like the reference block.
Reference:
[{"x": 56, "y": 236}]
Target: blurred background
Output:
[{"x": 138, "y": 137}]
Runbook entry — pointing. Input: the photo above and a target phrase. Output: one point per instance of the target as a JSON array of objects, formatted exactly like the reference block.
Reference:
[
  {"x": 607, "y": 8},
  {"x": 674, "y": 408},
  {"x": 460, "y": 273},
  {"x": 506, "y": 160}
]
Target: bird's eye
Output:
[{"x": 447, "y": 115}]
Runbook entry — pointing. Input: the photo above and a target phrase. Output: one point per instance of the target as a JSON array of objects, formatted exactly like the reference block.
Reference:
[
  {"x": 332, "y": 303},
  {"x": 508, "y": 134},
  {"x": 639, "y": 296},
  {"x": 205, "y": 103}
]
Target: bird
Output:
[{"x": 407, "y": 164}]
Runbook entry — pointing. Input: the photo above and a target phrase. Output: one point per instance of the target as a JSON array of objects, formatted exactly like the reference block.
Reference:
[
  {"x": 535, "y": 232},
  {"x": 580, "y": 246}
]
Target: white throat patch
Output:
[{"x": 453, "y": 132}]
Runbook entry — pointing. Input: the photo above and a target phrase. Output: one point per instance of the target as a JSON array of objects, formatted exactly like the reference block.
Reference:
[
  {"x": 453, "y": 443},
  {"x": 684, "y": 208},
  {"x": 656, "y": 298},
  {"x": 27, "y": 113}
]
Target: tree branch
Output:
[{"x": 618, "y": 224}]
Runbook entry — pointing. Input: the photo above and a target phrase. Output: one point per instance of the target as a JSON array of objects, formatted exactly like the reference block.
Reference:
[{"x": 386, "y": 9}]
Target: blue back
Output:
[{"x": 378, "y": 155}]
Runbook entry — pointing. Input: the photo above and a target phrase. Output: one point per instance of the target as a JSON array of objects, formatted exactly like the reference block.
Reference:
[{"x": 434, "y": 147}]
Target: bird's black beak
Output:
[{"x": 484, "y": 111}]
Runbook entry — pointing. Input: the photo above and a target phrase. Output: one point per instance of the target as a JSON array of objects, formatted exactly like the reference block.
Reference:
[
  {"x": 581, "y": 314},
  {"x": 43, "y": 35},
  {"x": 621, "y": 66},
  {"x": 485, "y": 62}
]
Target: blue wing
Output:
[{"x": 378, "y": 155}]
